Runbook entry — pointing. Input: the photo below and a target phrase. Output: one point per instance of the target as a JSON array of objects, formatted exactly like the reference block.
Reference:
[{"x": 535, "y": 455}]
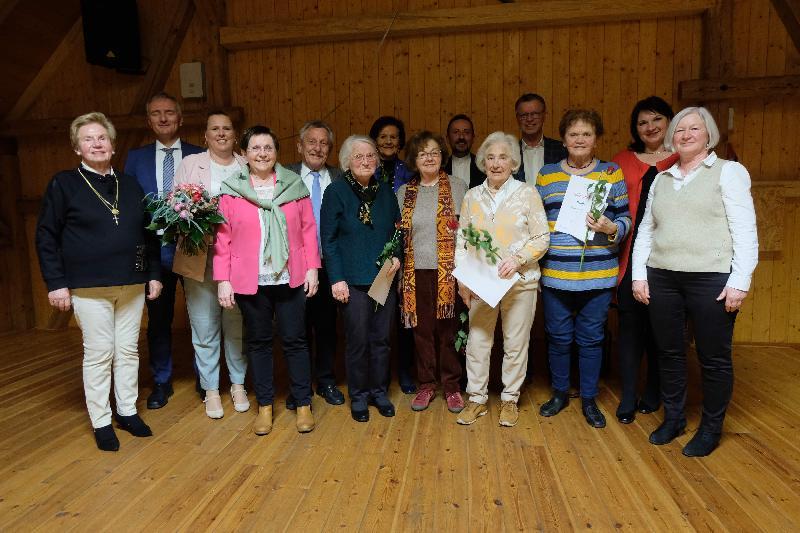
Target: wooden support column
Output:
[{"x": 16, "y": 313}]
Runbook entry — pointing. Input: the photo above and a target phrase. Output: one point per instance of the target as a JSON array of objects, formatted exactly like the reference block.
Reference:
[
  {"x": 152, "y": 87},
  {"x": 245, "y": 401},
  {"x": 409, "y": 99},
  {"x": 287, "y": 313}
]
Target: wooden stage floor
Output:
[{"x": 413, "y": 472}]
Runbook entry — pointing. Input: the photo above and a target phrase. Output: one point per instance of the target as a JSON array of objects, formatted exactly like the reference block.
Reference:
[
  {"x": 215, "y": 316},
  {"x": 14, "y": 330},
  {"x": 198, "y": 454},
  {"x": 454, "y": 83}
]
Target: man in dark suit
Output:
[
  {"x": 537, "y": 150},
  {"x": 314, "y": 144},
  {"x": 154, "y": 166},
  {"x": 460, "y": 135}
]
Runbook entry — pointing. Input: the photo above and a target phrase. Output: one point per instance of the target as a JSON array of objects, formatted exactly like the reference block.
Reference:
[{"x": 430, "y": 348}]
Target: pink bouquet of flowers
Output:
[{"x": 188, "y": 215}]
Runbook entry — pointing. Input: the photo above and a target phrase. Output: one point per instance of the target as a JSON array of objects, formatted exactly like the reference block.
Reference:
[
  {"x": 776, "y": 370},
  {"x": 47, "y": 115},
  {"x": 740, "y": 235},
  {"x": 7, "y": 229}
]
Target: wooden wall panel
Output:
[{"x": 427, "y": 79}]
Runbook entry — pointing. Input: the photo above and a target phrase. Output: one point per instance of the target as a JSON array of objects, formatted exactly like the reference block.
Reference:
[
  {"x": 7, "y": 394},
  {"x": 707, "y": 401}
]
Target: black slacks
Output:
[
  {"x": 367, "y": 345},
  {"x": 673, "y": 295},
  {"x": 257, "y": 311},
  {"x": 634, "y": 341},
  {"x": 321, "y": 322},
  {"x": 160, "y": 313}
]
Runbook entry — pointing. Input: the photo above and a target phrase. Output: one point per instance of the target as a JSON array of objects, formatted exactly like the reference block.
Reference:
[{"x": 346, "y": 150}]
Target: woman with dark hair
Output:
[
  {"x": 389, "y": 135},
  {"x": 429, "y": 205},
  {"x": 265, "y": 260},
  {"x": 644, "y": 158},
  {"x": 579, "y": 277},
  {"x": 96, "y": 257}
]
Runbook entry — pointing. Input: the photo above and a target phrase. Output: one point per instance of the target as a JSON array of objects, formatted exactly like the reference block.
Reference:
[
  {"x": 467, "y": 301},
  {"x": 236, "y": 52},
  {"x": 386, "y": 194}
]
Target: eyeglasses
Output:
[
  {"x": 528, "y": 116},
  {"x": 433, "y": 153},
  {"x": 358, "y": 158},
  {"x": 259, "y": 149}
]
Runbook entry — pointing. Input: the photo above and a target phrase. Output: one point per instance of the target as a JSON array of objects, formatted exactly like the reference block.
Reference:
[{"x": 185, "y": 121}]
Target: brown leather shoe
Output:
[
  {"x": 305, "y": 419},
  {"x": 263, "y": 422}
]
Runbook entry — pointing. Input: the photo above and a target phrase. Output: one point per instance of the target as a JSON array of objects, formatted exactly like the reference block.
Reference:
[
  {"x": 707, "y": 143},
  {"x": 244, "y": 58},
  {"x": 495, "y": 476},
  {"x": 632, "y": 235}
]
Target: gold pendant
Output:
[{"x": 114, "y": 211}]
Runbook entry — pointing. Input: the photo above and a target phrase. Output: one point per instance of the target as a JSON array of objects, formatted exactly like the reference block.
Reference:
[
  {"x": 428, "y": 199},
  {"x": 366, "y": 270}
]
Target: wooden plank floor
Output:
[{"x": 414, "y": 472}]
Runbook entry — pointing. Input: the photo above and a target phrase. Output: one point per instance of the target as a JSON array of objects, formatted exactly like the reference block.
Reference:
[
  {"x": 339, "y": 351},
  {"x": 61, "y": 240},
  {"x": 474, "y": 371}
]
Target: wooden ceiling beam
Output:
[
  {"x": 436, "y": 21},
  {"x": 122, "y": 123},
  {"x": 737, "y": 88},
  {"x": 789, "y": 12}
]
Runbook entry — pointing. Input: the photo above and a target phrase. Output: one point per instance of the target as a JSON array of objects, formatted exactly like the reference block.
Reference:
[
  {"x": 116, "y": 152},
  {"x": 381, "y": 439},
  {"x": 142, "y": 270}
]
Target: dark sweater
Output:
[
  {"x": 349, "y": 246},
  {"x": 78, "y": 243}
]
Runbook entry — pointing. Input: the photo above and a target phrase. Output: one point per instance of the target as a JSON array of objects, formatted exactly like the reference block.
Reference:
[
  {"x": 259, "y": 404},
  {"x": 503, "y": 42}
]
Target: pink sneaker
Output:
[
  {"x": 422, "y": 399},
  {"x": 455, "y": 403}
]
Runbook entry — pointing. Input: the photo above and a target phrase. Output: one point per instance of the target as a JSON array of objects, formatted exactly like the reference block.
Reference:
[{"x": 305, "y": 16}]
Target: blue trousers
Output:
[{"x": 578, "y": 316}]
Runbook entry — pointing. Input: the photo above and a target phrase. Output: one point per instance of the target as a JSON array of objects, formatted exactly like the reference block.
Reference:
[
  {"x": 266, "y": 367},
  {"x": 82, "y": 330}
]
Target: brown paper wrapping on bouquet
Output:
[{"x": 191, "y": 266}]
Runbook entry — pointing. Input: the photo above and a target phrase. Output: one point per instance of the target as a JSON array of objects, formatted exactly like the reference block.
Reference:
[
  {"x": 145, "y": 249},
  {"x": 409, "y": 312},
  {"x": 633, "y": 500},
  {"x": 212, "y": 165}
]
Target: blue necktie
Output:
[
  {"x": 316, "y": 198},
  {"x": 169, "y": 169}
]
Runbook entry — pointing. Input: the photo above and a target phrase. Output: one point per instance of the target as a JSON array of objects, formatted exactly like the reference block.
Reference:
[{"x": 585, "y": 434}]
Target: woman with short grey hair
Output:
[
  {"x": 681, "y": 272},
  {"x": 512, "y": 212},
  {"x": 358, "y": 218}
]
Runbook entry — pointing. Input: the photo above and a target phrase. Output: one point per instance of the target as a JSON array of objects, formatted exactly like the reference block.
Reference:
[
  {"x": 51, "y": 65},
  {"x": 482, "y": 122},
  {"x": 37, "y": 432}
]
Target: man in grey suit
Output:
[{"x": 314, "y": 145}]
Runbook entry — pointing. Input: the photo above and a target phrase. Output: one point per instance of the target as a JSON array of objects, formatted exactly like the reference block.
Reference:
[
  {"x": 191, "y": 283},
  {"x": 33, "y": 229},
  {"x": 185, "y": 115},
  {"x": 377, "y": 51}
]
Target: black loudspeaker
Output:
[{"x": 111, "y": 34}]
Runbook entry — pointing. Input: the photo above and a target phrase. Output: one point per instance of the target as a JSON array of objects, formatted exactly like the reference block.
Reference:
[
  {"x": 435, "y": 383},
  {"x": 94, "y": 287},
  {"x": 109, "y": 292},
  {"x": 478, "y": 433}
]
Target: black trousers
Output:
[
  {"x": 257, "y": 311},
  {"x": 321, "y": 323},
  {"x": 367, "y": 345},
  {"x": 673, "y": 295},
  {"x": 160, "y": 313},
  {"x": 635, "y": 340}
]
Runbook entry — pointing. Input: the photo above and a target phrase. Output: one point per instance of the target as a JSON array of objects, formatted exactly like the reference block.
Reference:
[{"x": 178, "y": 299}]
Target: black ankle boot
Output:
[
  {"x": 134, "y": 425},
  {"x": 668, "y": 431},
  {"x": 702, "y": 444},
  {"x": 554, "y": 405},
  {"x": 106, "y": 439}
]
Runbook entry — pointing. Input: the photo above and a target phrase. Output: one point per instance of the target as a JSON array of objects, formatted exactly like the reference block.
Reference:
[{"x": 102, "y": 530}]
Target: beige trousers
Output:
[
  {"x": 109, "y": 318},
  {"x": 516, "y": 311}
]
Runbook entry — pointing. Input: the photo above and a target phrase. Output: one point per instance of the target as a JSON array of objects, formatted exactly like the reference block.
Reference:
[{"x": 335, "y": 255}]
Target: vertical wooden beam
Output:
[
  {"x": 15, "y": 278},
  {"x": 718, "y": 61},
  {"x": 212, "y": 15}
]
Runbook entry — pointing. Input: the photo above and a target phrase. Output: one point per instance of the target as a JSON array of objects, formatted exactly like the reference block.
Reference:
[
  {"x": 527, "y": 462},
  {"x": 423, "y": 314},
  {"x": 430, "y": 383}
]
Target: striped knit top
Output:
[{"x": 561, "y": 265}]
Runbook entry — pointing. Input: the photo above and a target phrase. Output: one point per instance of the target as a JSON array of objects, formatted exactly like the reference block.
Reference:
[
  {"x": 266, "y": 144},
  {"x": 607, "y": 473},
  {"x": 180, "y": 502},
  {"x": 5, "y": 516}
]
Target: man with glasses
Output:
[
  {"x": 537, "y": 150},
  {"x": 314, "y": 144}
]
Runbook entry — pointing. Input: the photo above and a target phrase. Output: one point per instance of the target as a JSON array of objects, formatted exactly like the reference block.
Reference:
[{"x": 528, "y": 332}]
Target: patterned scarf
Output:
[
  {"x": 445, "y": 251},
  {"x": 366, "y": 195}
]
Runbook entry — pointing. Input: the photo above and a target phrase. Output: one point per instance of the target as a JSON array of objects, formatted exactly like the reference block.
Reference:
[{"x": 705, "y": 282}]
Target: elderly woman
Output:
[
  {"x": 389, "y": 135},
  {"x": 579, "y": 278},
  {"x": 429, "y": 205},
  {"x": 644, "y": 158},
  {"x": 358, "y": 218},
  {"x": 209, "y": 320},
  {"x": 677, "y": 271},
  {"x": 511, "y": 211},
  {"x": 266, "y": 259},
  {"x": 96, "y": 257}
]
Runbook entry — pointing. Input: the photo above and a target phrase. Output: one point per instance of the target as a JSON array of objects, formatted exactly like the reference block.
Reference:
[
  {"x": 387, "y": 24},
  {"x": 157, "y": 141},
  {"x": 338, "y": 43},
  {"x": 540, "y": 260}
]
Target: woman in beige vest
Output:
[{"x": 694, "y": 254}]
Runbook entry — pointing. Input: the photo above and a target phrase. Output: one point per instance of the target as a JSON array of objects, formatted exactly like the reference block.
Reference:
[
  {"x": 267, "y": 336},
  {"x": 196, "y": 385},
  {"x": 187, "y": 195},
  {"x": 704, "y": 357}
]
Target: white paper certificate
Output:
[
  {"x": 576, "y": 205},
  {"x": 379, "y": 290},
  {"x": 481, "y": 278}
]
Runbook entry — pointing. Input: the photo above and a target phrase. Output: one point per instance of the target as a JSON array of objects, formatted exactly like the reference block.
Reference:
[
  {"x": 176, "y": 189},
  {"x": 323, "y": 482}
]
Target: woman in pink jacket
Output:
[{"x": 265, "y": 259}]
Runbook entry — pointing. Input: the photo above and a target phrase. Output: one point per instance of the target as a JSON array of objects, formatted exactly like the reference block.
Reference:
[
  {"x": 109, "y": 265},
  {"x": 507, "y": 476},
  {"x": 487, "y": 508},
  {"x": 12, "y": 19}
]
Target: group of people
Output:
[{"x": 301, "y": 242}]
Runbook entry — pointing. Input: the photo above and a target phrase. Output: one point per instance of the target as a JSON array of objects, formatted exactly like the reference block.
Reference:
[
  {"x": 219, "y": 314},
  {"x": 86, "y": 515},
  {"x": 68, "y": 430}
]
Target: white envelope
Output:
[{"x": 481, "y": 277}]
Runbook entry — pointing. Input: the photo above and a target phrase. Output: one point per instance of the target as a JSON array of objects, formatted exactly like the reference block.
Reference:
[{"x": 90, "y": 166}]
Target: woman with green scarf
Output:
[
  {"x": 265, "y": 259},
  {"x": 358, "y": 219}
]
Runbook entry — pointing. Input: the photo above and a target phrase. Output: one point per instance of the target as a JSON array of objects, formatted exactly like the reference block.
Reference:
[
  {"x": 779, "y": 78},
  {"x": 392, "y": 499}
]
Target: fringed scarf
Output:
[{"x": 446, "y": 226}]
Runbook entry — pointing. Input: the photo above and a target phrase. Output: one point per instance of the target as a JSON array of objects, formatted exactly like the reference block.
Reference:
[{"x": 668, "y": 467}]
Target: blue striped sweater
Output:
[{"x": 561, "y": 265}]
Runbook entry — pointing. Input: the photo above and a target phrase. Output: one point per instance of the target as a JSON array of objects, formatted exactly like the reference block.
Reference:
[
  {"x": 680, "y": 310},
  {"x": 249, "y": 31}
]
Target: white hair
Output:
[
  {"x": 347, "y": 149},
  {"x": 500, "y": 137},
  {"x": 707, "y": 118}
]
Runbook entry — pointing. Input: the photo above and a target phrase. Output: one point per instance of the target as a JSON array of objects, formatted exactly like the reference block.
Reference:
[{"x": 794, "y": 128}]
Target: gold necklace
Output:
[{"x": 114, "y": 208}]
